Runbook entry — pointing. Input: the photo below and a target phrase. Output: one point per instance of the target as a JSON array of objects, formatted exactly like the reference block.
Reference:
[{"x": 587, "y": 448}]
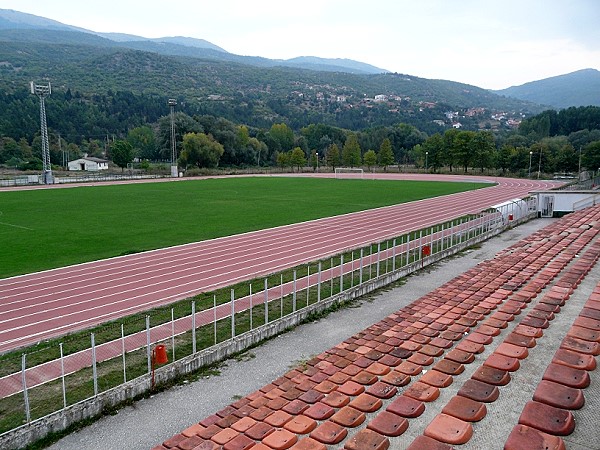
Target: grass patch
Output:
[{"x": 48, "y": 228}]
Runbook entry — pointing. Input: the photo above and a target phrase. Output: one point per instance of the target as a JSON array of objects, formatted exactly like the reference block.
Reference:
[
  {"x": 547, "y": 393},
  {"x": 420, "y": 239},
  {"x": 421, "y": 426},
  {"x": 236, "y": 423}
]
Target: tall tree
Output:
[
  {"x": 483, "y": 147},
  {"x": 351, "y": 154},
  {"x": 143, "y": 142},
  {"x": 200, "y": 150},
  {"x": 121, "y": 153},
  {"x": 282, "y": 159},
  {"x": 386, "y": 154},
  {"x": 404, "y": 137},
  {"x": 434, "y": 148},
  {"x": 183, "y": 124},
  {"x": 9, "y": 148},
  {"x": 370, "y": 159},
  {"x": 590, "y": 156},
  {"x": 449, "y": 154},
  {"x": 298, "y": 158},
  {"x": 504, "y": 156},
  {"x": 333, "y": 156},
  {"x": 283, "y": 135},
  {"x": 463, "y": 148}
]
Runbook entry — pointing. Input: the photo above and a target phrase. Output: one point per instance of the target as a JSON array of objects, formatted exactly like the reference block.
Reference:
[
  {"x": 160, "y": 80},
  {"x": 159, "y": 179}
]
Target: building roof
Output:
[{"x": 91, "y": 158}]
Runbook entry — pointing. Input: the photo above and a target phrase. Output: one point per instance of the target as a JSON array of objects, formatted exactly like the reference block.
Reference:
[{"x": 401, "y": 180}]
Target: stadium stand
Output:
[{"x": 500, "y": 356}]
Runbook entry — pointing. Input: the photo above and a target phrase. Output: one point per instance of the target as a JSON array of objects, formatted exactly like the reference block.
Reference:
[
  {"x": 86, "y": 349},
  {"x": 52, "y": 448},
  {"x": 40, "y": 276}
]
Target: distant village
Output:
[{"x": 472, "y": 118}]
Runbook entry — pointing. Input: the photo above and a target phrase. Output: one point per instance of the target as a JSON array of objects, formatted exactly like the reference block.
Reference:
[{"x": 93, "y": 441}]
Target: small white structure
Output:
[
  {"x": 555, "y": 203},
  {"x": 88, "y": 163},
  {"x": 516, "y": 209}
]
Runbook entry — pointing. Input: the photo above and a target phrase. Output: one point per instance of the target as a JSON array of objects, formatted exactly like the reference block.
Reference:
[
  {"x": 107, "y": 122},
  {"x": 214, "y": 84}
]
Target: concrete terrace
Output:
[{"x": 502, "y": 356}]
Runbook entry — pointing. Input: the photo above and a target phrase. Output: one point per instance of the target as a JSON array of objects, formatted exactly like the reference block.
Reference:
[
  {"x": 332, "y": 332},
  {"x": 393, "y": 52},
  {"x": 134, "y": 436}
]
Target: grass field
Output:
[{"x": 43, "y": 229}]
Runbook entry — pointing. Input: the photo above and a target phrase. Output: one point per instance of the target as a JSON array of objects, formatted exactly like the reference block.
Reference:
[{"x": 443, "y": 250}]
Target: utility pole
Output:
[
  {"x": 42, "y": 91},
  {"x": 62, "y": 153},
  {"x": 174, "y": 170}
]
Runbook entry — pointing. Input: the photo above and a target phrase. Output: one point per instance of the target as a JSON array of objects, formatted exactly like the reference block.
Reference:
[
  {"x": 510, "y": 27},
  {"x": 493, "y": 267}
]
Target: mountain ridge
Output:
[
  {"x": 579, "y": 88},
  {"x": 182, "y": 45}
]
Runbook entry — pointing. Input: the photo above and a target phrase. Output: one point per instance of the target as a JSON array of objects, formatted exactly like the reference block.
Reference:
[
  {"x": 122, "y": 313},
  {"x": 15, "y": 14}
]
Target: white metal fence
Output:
[
  {"x": 55, "y": 375},
  {"x": 33, "y": 180}
]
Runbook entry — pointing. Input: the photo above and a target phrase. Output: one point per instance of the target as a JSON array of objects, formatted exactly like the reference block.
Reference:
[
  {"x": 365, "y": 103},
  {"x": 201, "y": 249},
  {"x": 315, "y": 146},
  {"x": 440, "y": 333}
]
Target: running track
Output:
[{"x": 48, "y": 304}]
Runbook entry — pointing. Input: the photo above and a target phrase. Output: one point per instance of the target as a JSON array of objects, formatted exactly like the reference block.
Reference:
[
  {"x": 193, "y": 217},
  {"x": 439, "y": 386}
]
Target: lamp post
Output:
[
  {"x": 426, "y": 165},
  {"x": 42, "y": 91},
  {"x": 317, "y": 153},
  {"x": 174, "y": 171},
  {"x": 579, "y": 169},
  {"x": 530, "y": 155},
  {"x": 540, "y": 164}
]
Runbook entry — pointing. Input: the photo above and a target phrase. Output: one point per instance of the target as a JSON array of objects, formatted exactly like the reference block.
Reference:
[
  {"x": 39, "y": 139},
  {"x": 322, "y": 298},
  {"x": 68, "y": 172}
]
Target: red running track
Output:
[{"x": 48, "y": 304}]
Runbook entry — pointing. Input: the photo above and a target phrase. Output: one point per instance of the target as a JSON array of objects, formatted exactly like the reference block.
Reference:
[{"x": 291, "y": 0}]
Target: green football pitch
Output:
[{"x": 47, "y": 228}]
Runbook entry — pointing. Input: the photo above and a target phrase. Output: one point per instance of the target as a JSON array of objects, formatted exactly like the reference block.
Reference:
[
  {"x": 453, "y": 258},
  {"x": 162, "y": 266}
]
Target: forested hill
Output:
[
  {"x": 581, "y": 88},
  {"x": 87, "y": 65}
]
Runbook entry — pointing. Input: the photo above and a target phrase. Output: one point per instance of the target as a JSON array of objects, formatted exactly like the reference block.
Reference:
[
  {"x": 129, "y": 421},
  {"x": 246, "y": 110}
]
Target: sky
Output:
[{"x": 487, "y": 43}]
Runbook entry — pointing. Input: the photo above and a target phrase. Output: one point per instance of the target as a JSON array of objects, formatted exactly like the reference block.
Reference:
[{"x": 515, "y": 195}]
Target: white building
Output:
[{"x": 89, "y": 164}]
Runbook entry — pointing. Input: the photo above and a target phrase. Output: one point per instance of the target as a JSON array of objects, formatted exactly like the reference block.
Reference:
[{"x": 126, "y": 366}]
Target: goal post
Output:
[{"x": 349, "y": 173}]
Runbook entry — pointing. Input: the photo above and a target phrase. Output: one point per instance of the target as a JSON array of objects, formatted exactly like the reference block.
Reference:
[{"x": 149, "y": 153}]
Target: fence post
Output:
[
  {"x": 215, "y": 316},
  {"x": 148, "y": 351},
  {"x": 319, "y": 284},
  {"x": 387, "y": 248},
  {"x": 194, "y": 327},
  {"x": 294, "y": 294},
  {"x": 394, "y": 255},
  {"x": 173, "y": 332},
  {"x": 331, "y": 269},
  {"x": 352, "y": 269},
  {"x": 482, "y": 223},
  {"x": 408, "y": 248},
  {"x": 94, "y": 370},
  {"x": 442, "y": 239},
  {"x": 378, "y": 257},
  {"x": 281, "y": 297},
  {"x": 123, "y": 353},
  {"x": 360, "y": 273},
  {"x": 341, "y": 273},
  {"x": 250, "y": 306},
  {"x": 232, "y": 314},
  {"x": 266, "y": 301},
  {"x": 307, "y": 284},
  {"x": 431, "y": 239},
  {"x": 62, "y": 375},
  {"x": 469, "y": 224},
  {"x": 24, "y": 381}
]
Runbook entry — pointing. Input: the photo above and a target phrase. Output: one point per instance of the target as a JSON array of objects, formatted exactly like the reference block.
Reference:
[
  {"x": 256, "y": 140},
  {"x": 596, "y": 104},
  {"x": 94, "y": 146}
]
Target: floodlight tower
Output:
[
  {"x": 42, "y": 91},
  {"x": 174, "y": 171}
]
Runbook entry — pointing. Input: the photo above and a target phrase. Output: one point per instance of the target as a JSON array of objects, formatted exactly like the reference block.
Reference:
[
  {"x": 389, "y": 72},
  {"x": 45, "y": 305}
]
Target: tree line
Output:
[{"x": 552, "y": 141}]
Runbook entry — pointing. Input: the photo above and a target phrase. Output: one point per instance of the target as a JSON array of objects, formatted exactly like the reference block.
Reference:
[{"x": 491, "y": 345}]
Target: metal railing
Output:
[
  {"x": 34, "y": 180},
  {"x": 52, "y": 377}
]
